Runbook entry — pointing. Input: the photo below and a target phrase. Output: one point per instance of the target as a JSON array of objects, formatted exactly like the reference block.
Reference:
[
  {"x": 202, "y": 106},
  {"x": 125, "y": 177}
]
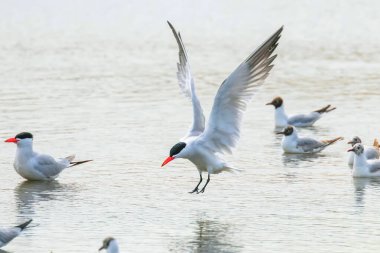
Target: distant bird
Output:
[
  {"x": 33, "y": 166},
  {"x": 8, "y": 234},
  {"x": 363, "y": 167},
  {"x": 204, "y": 145},
  {"x": 110, "y": 244},
  {"x": 370, "y": 152},
  {"x": 299, "y": 120},
  {"x": 292, "y": 143}
]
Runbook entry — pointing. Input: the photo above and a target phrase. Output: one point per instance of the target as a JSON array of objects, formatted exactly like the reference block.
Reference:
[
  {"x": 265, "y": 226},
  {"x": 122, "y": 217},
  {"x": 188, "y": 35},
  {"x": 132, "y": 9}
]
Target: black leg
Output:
[
  {"x": 204, "y": 187},
  {"x": 200, "y": 181}
]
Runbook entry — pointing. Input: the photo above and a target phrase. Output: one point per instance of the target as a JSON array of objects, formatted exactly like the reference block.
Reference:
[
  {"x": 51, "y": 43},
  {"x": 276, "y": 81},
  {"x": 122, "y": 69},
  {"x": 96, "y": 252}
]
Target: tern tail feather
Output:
[
  {"x": 72, "y": 164},
  {"x": 329, "y": 142},
  {"x": 24, "y": 225},
  {"x": 325, "y": 109}
]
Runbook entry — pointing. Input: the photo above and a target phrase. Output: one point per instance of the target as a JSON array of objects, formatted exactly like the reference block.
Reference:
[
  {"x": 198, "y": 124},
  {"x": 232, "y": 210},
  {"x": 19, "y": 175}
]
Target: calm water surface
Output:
[{"x": 97, "y": 79}]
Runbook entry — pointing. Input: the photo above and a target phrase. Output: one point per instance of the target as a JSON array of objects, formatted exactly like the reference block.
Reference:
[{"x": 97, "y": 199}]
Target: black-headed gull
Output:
[
  {"x": 34, "y": 166},
  {"x": 204, "y": 145},
  {"x": 292, "y": 143},
  {"x": 363, "y": 167},
  {"x": 8, "y": 234},
  {"x": 370, "y": 152},
  {"x": 110, "y": 244},
  {"x": 299, "y": 120}
]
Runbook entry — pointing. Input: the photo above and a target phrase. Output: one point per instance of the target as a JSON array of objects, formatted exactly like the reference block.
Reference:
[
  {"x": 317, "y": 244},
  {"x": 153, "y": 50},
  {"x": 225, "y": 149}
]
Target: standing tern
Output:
[
  {"x": 369, "y": 152},
  {"x": 33, "y": 166},
  {"x": 203, "y": 146},
  {"x": 292, "y": 143},
  {"x": 8, "y": 234},
  {"x": 110, "y": 244},
  {"x": 299, "y": 120},
  {"x": 363, "y": 167}
]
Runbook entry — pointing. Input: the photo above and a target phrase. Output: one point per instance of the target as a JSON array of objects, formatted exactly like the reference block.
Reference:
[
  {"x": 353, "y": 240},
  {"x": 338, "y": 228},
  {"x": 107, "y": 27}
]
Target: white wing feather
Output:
[
  {"x": 50, "y": 167},
  {"x": 186, "y": 84},
  {"x": 223, "y": 129}
]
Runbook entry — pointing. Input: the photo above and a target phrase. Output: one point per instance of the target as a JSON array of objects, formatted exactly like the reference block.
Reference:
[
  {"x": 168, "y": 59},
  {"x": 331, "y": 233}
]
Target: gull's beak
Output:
[
  {"x": 167, "y": 160},
  {"x": 280, "y": 132},
  {"x": 350, "y": 150},
  {"x": 270, "y": 103},
  {"x": 14, "y": 140}
]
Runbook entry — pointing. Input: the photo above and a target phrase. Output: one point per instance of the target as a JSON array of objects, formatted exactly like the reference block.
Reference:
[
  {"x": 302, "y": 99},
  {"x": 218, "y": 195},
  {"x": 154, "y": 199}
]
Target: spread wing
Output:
[
  {"x": 48, "y": 166},
  {"x": 186, "y": 83},
  {"x": 223, "y": 129}
]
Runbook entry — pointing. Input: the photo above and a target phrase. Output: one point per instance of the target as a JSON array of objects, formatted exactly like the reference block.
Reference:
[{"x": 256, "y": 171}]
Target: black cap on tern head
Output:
[
  {"x": 288, "y": 130},
  {"x": 177, "y": 148},
  {"x": 276, "y": 102},
  {"x": 24, "y": 135}
]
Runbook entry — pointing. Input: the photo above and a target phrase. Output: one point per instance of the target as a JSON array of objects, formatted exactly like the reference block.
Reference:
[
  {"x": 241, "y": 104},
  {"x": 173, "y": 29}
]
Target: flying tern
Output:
[
  {"x": 204, "y": 145},
  {"x": 34, "y": 166}
]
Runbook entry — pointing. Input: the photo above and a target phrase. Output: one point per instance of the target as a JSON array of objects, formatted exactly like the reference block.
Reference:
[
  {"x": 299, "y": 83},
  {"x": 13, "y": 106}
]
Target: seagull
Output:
[
  {"x": 299, "y": 120},
  {"x": 292, "y": 143},
  {"x": 204, "y": 145},
  {"x": 363, "y": 167},
  {"x": 33, "y": 166},
  {"x": 8, "y": 234},
  {"x": 110, "y": 244},
  {"x": 370, "y": 152}
]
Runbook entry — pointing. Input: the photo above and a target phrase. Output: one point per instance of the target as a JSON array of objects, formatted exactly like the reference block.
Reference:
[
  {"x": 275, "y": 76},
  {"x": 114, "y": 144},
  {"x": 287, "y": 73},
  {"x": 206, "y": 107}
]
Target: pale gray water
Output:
[{"x": 97, "y": 78}]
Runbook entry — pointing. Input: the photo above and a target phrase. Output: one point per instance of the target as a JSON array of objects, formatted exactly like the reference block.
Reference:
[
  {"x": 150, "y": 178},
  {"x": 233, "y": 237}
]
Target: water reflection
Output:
[
  {"x": 295, "y": 160},
  {"x": 3, "y": 251},
  {"x": 29, "y": 193},
  {"x": 361, "y": 184},
  {"x": 210, "y": 236}
]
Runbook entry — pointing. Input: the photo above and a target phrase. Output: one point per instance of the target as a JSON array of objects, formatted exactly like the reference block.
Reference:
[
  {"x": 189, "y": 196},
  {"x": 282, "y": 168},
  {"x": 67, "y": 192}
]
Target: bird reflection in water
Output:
[
  {"x": 361, "y": 184},
  {"x": 295, "y": 160},
  {"x": 30, "y": 193}
]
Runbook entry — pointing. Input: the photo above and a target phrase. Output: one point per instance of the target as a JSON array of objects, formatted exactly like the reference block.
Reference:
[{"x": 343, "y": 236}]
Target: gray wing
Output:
[
  {"x": 186, "y": 84},
  {"x": 371, "y": 153},
  {"x": 309, "y": 144},
  {"x": 8, "y": 234},
  {"x": 374, "y": 166},
  {"x": 50, "y": 167},
  {"x": 303, "y": 118}
]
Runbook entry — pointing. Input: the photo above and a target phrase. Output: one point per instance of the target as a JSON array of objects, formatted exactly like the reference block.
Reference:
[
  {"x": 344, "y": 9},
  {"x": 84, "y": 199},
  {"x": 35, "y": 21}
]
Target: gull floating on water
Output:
[
  {"x": 299, "y": 120},
  {"x": 363, "y": 167},
  {"x": 292, "y": 143},
  {"x": 110, "y": 244},
  {"x": 8, "y": 234},
  {"x": 203, "y": 145},
  {"x": 34, "y": 166},
  {"x": 370, "y": 152}
]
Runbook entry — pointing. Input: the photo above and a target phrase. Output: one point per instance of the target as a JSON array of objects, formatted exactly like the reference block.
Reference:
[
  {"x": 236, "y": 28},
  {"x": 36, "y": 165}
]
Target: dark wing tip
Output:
[{"x": 24, "y": 225}]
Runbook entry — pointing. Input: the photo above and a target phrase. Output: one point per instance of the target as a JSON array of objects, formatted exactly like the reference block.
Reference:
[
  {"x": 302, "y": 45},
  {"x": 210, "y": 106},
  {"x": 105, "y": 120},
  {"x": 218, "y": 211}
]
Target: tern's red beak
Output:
[
  {"x": 167, "y": 160},
  {"x": 14, "y": 140},
  {"x": 350, "y": 150}
]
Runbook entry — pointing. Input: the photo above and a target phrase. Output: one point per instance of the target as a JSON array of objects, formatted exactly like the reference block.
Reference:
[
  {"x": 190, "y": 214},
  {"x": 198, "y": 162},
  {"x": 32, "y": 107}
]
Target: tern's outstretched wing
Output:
[
  {"x": 223, "y": 129},
  {"x": 186, "y": 83}
]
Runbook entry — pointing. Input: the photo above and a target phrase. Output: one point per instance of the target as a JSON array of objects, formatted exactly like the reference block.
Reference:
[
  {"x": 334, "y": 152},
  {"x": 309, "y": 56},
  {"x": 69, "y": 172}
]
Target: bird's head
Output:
[
  {"x": 110, "y": 244},
  {"x": 276, "y": 102},
  {"x": 174, "y": 152},
  {"x": 289, "y": 130},
  {"x": 22, "y": 139},
  {"x": 354, "y": 140},
  {"x": 358, "y": 149}
]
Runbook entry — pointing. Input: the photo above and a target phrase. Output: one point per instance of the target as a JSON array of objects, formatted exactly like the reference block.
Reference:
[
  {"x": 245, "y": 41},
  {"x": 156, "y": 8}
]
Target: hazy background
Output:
[{"x": 97, "y": 78}]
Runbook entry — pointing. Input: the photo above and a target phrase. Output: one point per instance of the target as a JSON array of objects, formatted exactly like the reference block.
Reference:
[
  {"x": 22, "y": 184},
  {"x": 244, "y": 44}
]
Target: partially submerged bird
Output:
[
  {"x": 8, "y": 234},
  {"x": 34, "y": 166},
  {"x": 299, "y": 120},
  {"x": 110, "y": 244},
  {"x": 370, "y": 152},
  {"x": 363, "y": 167},
  {"x": 292, "y": 143},
  {"x": 203, "y": 145}
]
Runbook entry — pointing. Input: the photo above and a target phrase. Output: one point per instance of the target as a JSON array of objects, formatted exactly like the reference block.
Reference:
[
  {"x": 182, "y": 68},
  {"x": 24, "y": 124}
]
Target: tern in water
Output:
[
  {"x": 204, "y": 145},
  {"x": 299, "y": 120},
  {"x": 110, "y": 244},
  {"x": 33, "y": 166},
  {"x": 292, "y": 143},
  {"x": 363, "y": 167},
  {"x": 369, "y": 152},
  {"x": 8, "y": 234}
]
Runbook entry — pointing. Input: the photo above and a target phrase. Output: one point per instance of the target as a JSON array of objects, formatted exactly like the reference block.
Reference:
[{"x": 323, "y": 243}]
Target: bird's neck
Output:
[
  {"x": 280, "y": 116},
  {"x": 113, "y": 247},
  {"x": 360, "y": 161},
  {"x": 25, "y": 150}
]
